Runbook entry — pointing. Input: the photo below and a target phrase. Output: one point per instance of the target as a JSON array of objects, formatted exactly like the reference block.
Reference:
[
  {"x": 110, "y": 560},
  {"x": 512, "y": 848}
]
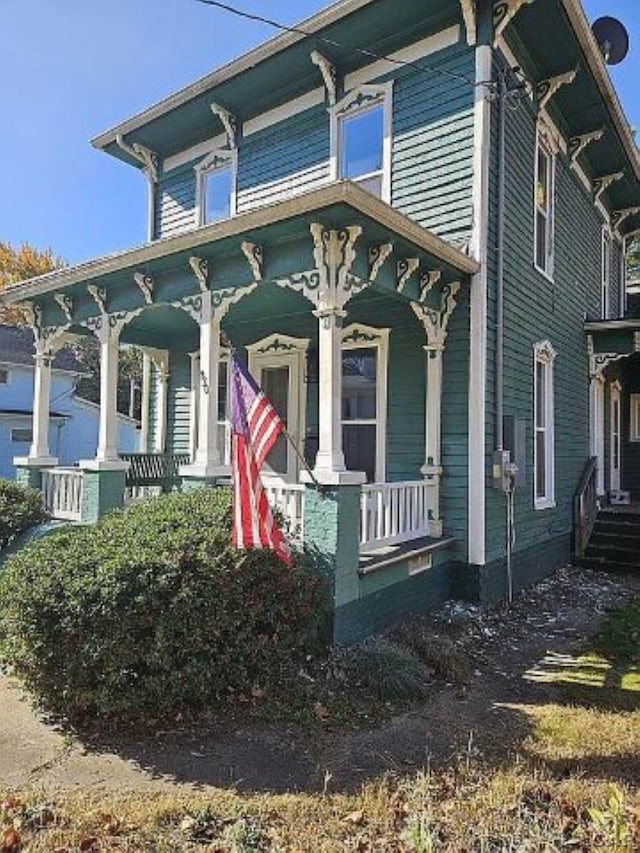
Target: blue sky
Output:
[{"x": 72, "y": 69}]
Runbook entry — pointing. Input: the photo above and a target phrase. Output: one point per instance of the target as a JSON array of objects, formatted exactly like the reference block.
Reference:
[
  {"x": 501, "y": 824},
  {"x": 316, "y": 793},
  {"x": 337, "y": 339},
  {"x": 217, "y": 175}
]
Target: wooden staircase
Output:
[{"x": 614, "y": 543}]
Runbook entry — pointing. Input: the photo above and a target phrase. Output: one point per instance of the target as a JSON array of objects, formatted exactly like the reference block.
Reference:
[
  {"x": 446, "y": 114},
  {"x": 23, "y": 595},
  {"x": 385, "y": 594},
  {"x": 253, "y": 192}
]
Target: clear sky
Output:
[{"x": 74, "y": 68}]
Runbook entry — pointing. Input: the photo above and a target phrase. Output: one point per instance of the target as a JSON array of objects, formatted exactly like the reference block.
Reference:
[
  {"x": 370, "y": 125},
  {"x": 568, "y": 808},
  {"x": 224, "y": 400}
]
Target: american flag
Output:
[{"x": 255, "y": 427}]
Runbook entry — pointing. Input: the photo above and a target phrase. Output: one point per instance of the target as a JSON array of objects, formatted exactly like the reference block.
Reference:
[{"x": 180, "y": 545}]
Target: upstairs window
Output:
[
  {"x": 361, "y": 139},
  {"x": 605, "y": 286},
  {"x": 216, "y": 186},
  {"x": 544, "y": 207},
  {"x": 544, "y": 426}
]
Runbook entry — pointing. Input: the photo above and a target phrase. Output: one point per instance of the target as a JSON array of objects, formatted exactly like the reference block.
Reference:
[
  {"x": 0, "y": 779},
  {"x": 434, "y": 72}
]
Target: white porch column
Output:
[
  {"x": 432, "y": 468},
  {"x": 330, "y": 457},
  {"x": 162, "y": 375},
  {"x": 108, "y": 434},
  {"x": 144, "y": 405},
  {"x": 39, "y": 451}
]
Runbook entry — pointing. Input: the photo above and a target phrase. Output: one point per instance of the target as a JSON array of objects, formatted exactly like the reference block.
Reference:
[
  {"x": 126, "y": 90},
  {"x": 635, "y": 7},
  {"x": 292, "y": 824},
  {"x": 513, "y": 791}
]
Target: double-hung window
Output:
[
  {"x": 216, "y": 186},
  {"x": 605, "y": 282},
  {"x": 544, "y": 207},
  {"x": 634, "y": 419},
  {"x": 4, "y": 376},
  {"x": 544, "y": 426},
  {"x": 364, "y": 400},
  {"x": 361, "y": 130}
]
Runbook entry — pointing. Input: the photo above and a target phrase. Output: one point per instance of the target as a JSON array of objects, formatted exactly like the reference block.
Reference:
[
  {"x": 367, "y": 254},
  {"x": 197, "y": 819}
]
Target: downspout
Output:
[{"x": 502, "y": 92}]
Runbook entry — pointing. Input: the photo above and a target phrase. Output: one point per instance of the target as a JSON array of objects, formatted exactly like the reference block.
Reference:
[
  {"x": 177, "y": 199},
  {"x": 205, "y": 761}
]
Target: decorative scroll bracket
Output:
[
  {"x": 329, "y": 75},
  {"x": 405, "y": 269},
  {"x": 148, "y": 158},
  {"x": 203, "y": 307},
  {"x": 427, "y": 281},
  {"x": 255, "y": 256},
  {"x": 145, "y": 283},
  {"x": 504, "y": 11},
  {"x": 200, "y": 268},
  {"x": 600, "y": 185},
  {"x": 546, "y": 89},
  {"x": 334, "y": 254},
  {"x": 99, "y": 296},
  {"x": 470, "y": 20},
  {"x": 378, "y": 254},
  {"x": 618, "y": 216},
  {"x": 577, "y": 144},
  {"x": 229, "y": 123},
  {"x": 436, "y": 321},
  {"x": 66, "y": 305},
  {"x": 599, "y": 361}
]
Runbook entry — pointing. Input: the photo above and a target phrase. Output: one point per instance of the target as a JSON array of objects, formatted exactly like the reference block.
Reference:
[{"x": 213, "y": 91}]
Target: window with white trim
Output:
[
  {"x": 20, "y": 435},
  {"x": 605, "y": 278},
  {"x": 623, "y": 281},
  {"x": 544, "y": 426},
  {"x": 216, "y": 177},
  {"x": 364, "y": 400},
  {"x": 4, "y": 376},
  {"x": 544, "y": 211},
  {"x": 634, "y": 420},
  {"x": 361, "y": 139}
]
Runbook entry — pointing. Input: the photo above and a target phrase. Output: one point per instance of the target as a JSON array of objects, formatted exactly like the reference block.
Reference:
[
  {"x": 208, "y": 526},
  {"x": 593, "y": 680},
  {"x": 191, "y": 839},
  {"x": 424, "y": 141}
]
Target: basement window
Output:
[
  {"x": 544, "y": 211},
  {"x": 544, "y": 426}
]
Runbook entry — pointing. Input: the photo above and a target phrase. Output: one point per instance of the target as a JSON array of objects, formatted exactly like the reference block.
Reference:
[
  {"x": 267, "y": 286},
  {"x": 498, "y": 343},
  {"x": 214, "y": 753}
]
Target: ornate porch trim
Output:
[
  {"x": 255, "y": 258},
  {"x": 378, "y": 254},
  {"x": 468, "y": 8},
  {"x": 504, "y": 11},
  {"x": 546, "y": 89},
  {"x": 145, "y": 156},
  {"x": 405, "y": 268},
  {"x": 578, "y": 144},
  {"x": 601, "y": 184},
  {"x": 599, "y": 361},
  {"x": 329, "y": 75},
  {"x": 146, "y": 283},
  {"x": 229, "y": 122},
  {"x": 200, "y": 267},
  {"x": 436, "y": 321}
]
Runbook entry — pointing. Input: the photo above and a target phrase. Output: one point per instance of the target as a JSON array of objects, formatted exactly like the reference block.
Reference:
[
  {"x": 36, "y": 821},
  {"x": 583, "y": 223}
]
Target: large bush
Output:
[
  {"x": 20, "y": 509},
  {"x": 151, "y": 612}
]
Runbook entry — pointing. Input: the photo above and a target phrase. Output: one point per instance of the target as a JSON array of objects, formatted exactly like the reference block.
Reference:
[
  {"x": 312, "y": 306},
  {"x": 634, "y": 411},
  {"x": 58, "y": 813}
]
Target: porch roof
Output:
[
  {"x": 335, "y": 206},
  {"x": 614, "y": 337}
]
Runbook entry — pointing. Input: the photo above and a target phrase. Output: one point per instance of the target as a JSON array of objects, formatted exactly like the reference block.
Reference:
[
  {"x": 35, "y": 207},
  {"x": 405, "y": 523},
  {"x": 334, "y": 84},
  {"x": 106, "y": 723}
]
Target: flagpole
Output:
[{"x": 226, "y": 341}]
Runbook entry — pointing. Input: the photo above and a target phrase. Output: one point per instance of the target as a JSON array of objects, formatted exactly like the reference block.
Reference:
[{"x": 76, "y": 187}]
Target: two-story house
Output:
[
  {"x": 72, "y": 421},
  {"x": 399, "y": 214}
]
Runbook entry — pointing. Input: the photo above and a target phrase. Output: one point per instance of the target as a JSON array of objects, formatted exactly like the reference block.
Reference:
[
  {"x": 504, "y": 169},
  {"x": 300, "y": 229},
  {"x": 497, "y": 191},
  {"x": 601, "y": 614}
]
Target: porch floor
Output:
[{"x": 387, "y": 555}]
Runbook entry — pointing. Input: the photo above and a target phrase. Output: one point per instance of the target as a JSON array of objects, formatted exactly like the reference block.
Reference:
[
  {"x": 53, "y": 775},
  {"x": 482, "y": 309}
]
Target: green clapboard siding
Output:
[
  {"x": 431, "y": 165},
  {"x": 179, "y": 402},
  {"x": 535, "y": 310}
]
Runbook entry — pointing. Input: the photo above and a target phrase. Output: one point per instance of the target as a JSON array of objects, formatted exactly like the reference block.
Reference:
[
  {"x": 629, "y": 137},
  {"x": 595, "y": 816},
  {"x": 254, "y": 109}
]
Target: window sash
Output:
[
  {"x": 544, "y": 209},
  {"x": 606, "y": 275},
  {"x": 223, "y": 207},
  {"x": 544, "y": 433},
  {"x": 634, "y": 421},
  {"x": 375, "y": 148}
]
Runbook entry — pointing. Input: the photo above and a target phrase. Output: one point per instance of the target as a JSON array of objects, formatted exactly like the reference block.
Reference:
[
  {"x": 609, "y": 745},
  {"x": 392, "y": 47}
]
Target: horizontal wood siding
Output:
[
  {"x": 176, "y": 201},
  {"x": 535, "y": 310},
  {"x": 179, "y": 403}
]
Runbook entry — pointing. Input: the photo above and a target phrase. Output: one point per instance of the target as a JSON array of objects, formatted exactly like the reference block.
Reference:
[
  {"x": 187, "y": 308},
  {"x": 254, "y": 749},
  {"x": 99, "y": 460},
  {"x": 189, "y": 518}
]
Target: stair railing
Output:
[{"x": 585, "y": 507}]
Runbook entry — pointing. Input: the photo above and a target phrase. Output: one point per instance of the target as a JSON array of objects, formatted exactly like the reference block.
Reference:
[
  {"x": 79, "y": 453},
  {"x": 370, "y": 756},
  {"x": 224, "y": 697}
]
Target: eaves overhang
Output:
[{"x": 335, "y": 205}]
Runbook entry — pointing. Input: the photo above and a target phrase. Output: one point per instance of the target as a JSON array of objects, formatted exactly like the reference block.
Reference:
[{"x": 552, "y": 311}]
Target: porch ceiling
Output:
[
  {"x": 614, "y": 337},
  {"x": 281, "y": 230}
]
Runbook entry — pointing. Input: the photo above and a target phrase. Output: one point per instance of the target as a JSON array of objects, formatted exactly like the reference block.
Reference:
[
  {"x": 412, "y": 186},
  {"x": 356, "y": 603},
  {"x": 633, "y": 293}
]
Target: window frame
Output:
[
  {"x": 606, "y": 258},
  {"x": 224, "y": 424},
  {"x": 218, "y": 160},
  {"x": 358, "y": 101},
  {"x": 27, "y": 430},
  {"x": 359, "y": 336},
  {"x": 544, "y": 144},
  {"x": 634, "y": 418},
  {"x": 4, "y": 371},
  {"x": 545, "y": 356}
]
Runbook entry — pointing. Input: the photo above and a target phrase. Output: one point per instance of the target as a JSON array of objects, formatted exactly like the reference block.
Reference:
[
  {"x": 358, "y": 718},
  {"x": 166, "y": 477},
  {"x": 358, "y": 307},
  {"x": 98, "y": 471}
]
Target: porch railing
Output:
[
  {"x": 62, "y": 493},
  {"x": 391, "y": 513},
  {"x": 287, "y": 500},
  {"x": 585, "y": 507},
  {"x": 157, "y": 471}
]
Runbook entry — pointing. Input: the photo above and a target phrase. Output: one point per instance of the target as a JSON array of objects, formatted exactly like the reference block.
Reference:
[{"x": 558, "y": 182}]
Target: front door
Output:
[
  {"x": 616, "y": 442},
  {"x": 277, "y": 365}
]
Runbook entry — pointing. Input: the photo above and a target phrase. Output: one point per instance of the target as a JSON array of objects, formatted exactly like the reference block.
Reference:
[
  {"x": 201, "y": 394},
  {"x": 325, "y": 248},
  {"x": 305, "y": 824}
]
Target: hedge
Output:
[{"x": 20, "y": 509}]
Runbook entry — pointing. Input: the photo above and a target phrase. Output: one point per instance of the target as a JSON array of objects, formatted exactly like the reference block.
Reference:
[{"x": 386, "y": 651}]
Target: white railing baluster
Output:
[
  {"x": 391, "y": 513},
  {"x": 62, "y": 493},
  {"x": 288, "y": 500}
]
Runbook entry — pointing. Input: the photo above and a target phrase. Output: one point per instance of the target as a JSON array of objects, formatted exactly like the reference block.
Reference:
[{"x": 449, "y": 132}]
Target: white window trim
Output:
[
  {"x": 623, "y": 278},
  {"x": 597, "y": 427},
  {"x": 545, "y": 354},
  {"x": 28, "y": 430},
  {"x": 359, "y": 336},
  {"x": 545, "y": 141},
  {"x": 634, "y": 417},
  {"x": 615, "y": 473},
  {"x": 278, "y": 350},
  {"x": 360, "y": 100},
  {"x": 7, "y": 373},
  {"x": 605, "y": 273},
  {"x": 225, "y": 452},
  {"x": 216, "y": 161}
]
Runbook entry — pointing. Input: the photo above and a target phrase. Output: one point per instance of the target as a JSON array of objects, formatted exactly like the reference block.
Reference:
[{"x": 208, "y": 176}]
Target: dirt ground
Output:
[{"x": 516, "y": 656}]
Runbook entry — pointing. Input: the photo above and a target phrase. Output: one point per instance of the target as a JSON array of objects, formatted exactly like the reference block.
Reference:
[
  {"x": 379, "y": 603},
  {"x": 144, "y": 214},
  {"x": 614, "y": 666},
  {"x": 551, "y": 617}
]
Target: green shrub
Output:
[
  {"x": 20, "y": 509},
  {"x": 386, "y": 670},
  {"x": 151, "y": 612}
]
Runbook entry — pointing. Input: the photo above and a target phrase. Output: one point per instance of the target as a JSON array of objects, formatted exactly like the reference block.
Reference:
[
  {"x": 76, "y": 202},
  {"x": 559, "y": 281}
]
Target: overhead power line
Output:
[{"x": 362, "y": 51}]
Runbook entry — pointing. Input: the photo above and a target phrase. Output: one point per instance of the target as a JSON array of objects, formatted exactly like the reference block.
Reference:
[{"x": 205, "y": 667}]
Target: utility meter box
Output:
[{"x": 515, "y": 441}]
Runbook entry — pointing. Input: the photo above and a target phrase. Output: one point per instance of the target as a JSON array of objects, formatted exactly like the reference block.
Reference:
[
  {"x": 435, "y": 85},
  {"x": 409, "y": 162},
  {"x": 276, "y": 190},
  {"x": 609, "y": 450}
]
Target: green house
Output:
[{"x": 399, "y": 215}]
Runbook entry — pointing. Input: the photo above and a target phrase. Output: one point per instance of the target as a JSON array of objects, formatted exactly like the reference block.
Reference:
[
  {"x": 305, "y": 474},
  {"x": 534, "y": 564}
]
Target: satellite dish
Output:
[{"x": 612, "y": 38}]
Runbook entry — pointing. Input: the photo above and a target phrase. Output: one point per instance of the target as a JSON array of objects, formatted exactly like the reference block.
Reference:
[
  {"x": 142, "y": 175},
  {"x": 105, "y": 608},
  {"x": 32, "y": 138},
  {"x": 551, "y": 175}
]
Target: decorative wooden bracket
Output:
[
  {"x": 436, "y": 321},
  {"x": 229, "y": 123},
  {"x": 427, "y": 281},
  {"x": 334, "y": 253},
  {"x": 546, "y": 89},
  {"x": 255, "y": 256},
  {"x": 200, "y": 267},
  {"x": 99, "y": 296},
  {"x": 378, "y": 254},
  {"x": 577, "y": 144},
  {"x": 329, "y": 75},
  {"x": 405, "y": 269},
  {"x": 600, "y": 185},
  {"x": 148, "y": 158},
  {"x": 66, "y": 304},
  {"x": 470, "y": 20},
  {"x": 145, "y": 283},
  {"x": 619, "y": 216},
  {"x": 504, "y": 11},
  {"x": 599, "y": 361}
]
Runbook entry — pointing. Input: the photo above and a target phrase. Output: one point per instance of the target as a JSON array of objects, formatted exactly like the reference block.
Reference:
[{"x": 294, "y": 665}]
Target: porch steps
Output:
[{"x": 615, "y": 543}]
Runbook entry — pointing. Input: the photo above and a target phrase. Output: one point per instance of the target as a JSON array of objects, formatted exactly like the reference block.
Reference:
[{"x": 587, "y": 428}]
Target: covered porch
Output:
[{"x": 340, "y": 306}]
